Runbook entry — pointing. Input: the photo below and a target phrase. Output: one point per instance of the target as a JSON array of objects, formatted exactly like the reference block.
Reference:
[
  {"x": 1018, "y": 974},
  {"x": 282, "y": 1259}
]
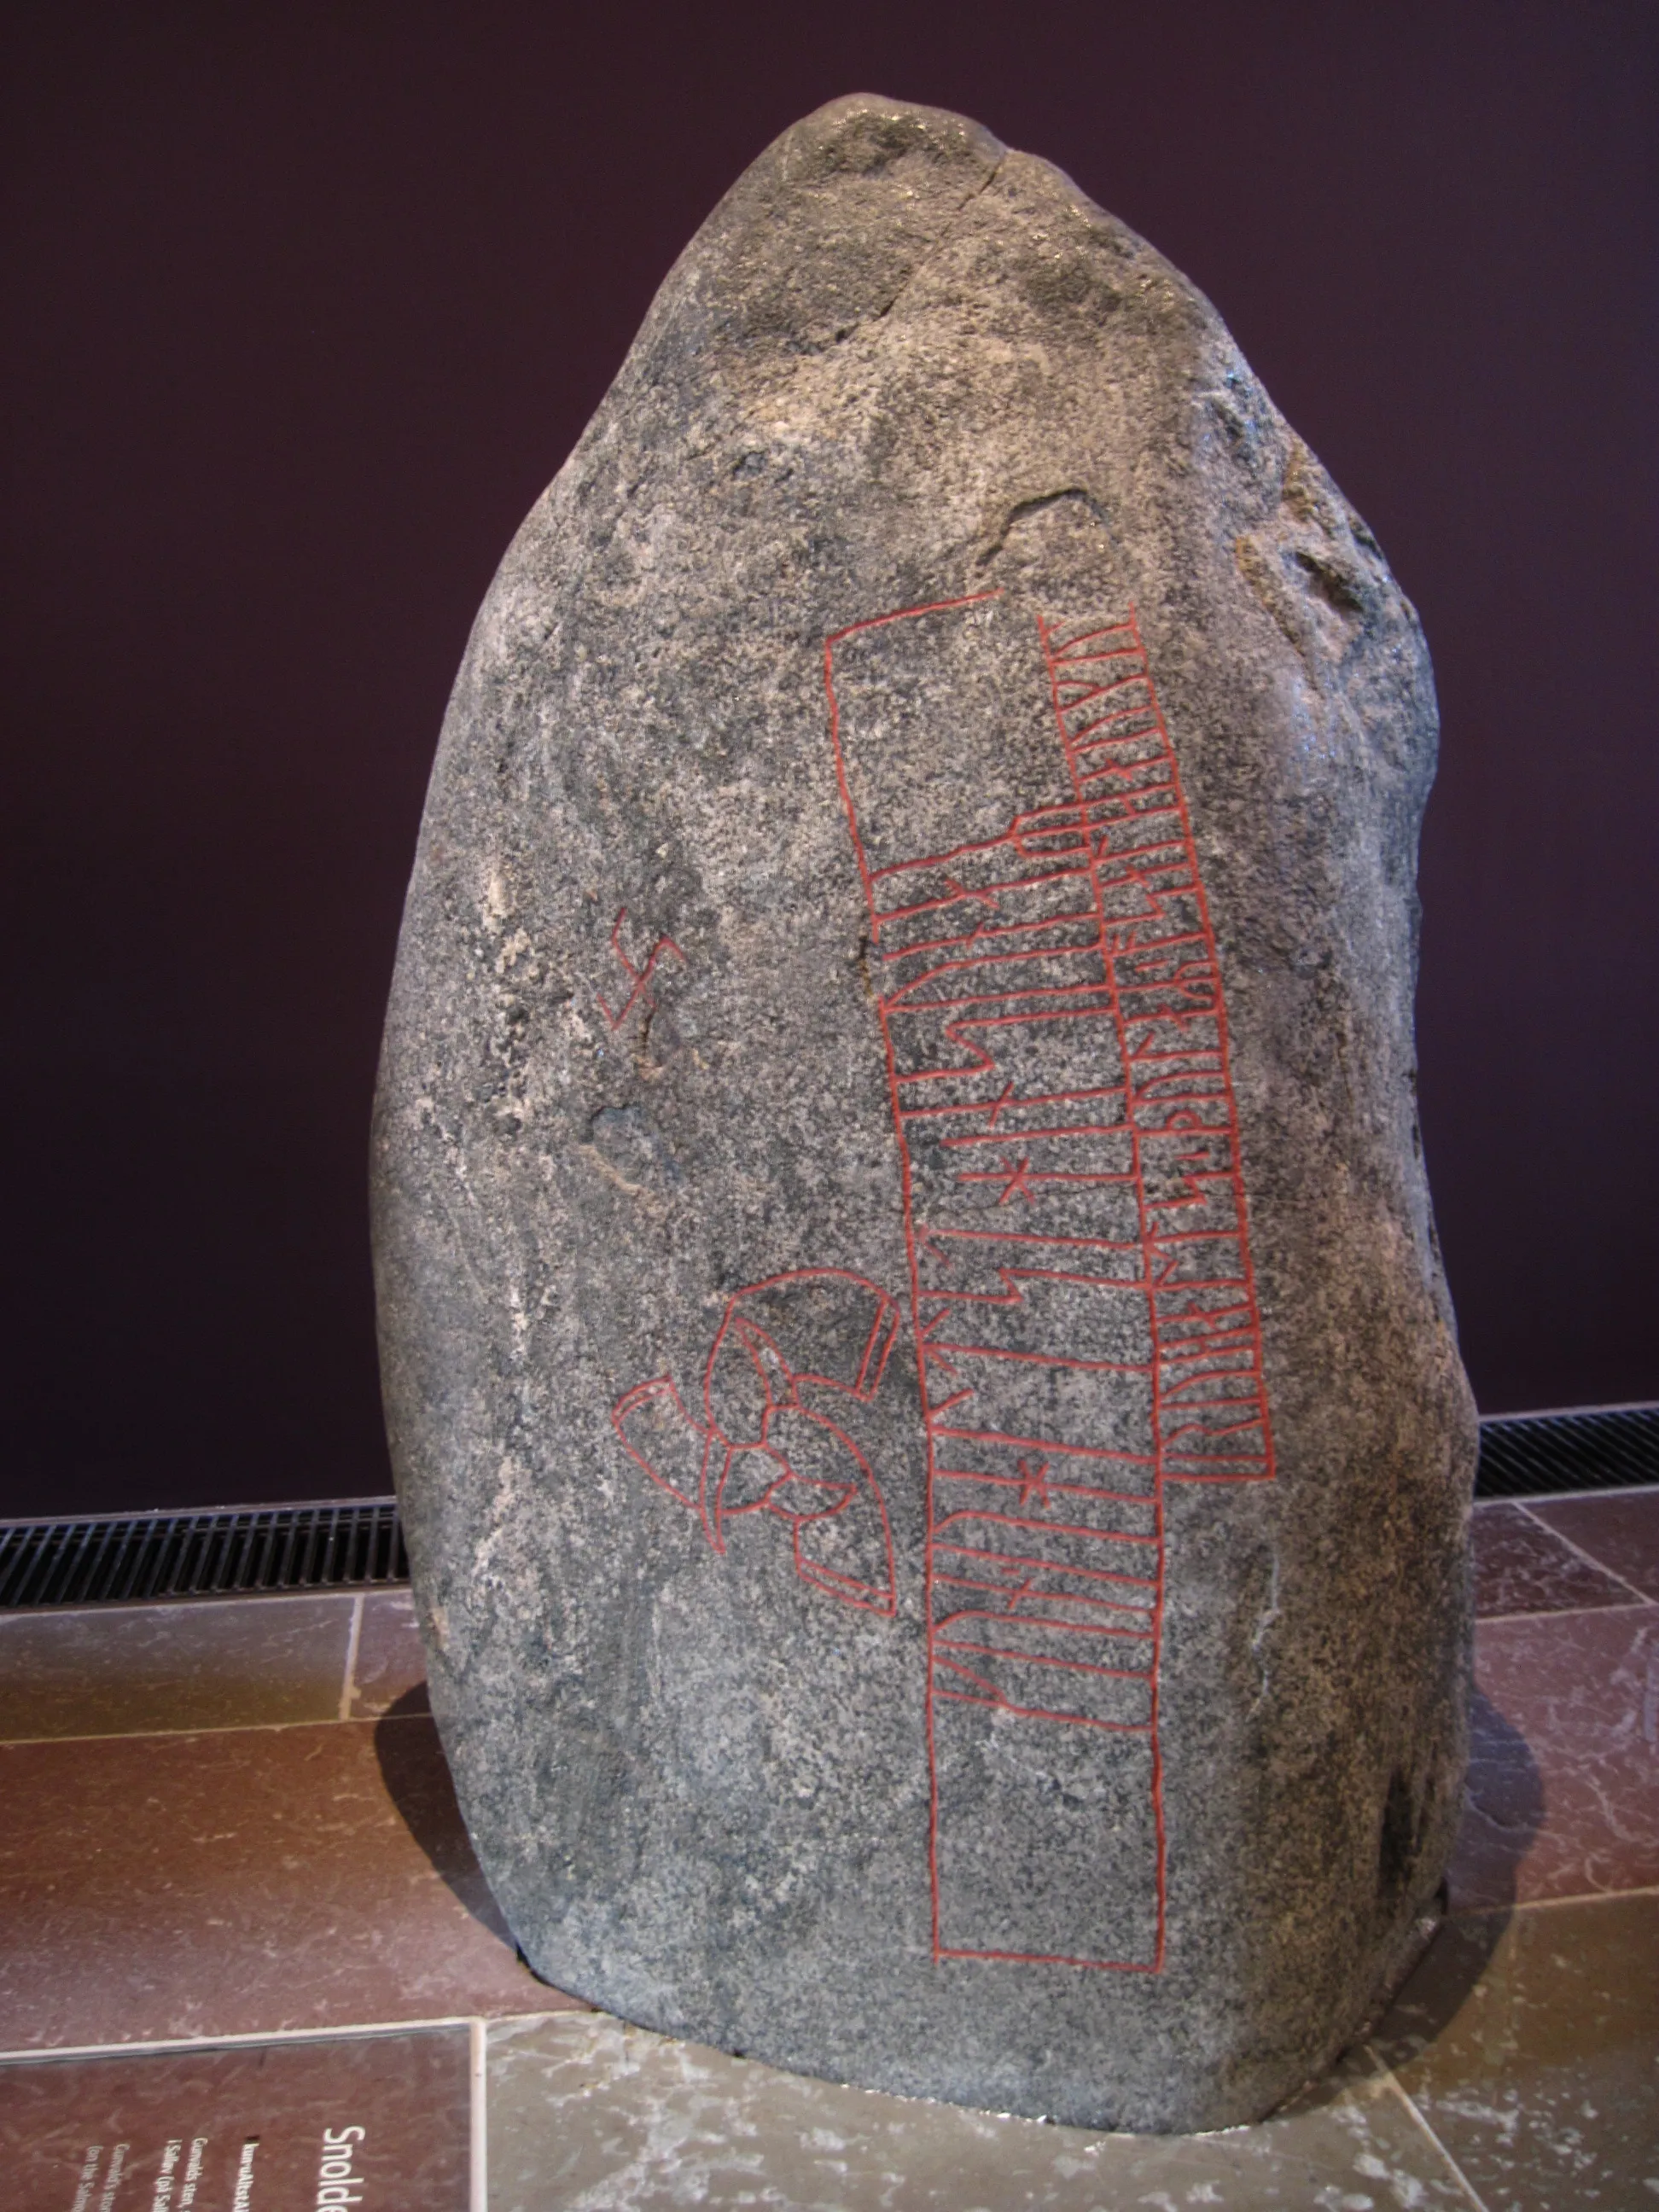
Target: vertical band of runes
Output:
[{"x": 1083, "y": 1299}]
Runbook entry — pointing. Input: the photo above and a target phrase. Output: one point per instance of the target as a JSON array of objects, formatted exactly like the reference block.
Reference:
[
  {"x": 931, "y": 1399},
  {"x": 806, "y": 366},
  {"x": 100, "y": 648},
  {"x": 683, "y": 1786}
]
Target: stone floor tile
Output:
[
  {"x": 1529, "y": 2042},
  {"x": 1618, "y": 1527},
  {"x": 390, "y": 1669},
  {"x": 1521, "y": 1566},
  {"x": 240, "y": 1883},
  {"x": 1563, "y": 1777},
  {"x": 120, "y": 2128},
  {"x": 135, "y": 1669},
  {"x": 586, "y": 2114}
]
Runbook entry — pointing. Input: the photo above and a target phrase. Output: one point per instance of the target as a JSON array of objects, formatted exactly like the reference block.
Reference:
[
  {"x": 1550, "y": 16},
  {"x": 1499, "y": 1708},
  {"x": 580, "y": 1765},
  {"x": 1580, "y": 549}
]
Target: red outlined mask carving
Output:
[{"x": 769, "y": 1442}]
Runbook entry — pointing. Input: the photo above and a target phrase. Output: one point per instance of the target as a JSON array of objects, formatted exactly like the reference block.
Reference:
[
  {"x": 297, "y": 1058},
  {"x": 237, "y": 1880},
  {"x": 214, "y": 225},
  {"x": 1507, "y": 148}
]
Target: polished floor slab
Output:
[
  {"x": 388, "y": 1667},
  {"x": 240, "y": 1882},
  {"x": 1617, "y": 1529},
  {"x": 584, "y": 2112},
  {"x": 1523, "y": 1566},
  {"x": 1529, "y": 2042},
  {"x": 1564, "y": 1779},
  {"x": 138, "y": 1669}
]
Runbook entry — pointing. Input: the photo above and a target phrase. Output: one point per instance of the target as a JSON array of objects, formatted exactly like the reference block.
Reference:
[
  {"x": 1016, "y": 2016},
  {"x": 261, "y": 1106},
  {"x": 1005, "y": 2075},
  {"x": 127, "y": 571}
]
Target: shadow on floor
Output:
[
  {"x": 417, "y": 1781},
  {"x": 1504, "y": 1812}
]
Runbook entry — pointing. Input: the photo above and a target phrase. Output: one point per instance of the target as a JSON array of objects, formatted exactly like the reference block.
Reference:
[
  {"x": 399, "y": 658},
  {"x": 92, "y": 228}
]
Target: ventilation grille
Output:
[
  {"x": 1535, "y": 1454},
  {"x": 231, "y": 1553},
  {"x": 358, "y": 1544}
]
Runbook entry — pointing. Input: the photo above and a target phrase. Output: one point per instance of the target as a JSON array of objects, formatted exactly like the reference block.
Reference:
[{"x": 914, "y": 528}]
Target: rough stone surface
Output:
[{"x": 935, "y": 1461}]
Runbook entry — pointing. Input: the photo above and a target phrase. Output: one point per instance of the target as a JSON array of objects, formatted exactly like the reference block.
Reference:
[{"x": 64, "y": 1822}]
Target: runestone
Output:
[{"x": 922, "y": 1389}]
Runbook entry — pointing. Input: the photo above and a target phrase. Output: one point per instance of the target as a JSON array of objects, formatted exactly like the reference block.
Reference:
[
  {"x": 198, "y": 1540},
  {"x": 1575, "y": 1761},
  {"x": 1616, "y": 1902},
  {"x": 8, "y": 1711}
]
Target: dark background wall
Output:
[{"x": 304, "y": 306}]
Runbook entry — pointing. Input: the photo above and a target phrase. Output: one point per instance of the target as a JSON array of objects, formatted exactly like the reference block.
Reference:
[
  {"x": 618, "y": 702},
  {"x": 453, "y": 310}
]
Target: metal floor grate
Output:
[
  {"x": 1592, "y": 1447},
  {"x": 357, "y": 1543},
  {"x": 228, "y": 1552}
]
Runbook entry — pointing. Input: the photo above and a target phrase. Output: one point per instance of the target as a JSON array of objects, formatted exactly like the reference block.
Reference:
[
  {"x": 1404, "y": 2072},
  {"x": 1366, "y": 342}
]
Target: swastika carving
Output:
[{"x": 639, "y": 977}]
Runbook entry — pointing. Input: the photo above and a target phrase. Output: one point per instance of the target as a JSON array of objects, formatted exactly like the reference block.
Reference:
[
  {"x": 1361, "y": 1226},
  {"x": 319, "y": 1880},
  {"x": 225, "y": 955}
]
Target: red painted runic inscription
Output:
[{"x": 1084, "y": 1312}]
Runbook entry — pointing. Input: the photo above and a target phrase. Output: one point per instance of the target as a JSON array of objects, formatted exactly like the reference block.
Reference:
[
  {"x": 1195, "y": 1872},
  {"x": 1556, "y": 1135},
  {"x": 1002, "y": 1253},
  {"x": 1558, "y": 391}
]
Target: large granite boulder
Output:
[{"x": 926, "y": 1406}]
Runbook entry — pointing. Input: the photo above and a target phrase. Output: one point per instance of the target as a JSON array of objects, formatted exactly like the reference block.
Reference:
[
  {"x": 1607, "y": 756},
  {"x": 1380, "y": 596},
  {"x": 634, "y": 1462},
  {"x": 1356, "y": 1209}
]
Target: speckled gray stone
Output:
[{"x": 927, "y": 1411}]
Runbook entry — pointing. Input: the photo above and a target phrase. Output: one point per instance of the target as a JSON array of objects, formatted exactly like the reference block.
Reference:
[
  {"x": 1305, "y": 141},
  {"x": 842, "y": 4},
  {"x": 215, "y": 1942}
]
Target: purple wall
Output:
[{"x": 304, "y": 306}]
